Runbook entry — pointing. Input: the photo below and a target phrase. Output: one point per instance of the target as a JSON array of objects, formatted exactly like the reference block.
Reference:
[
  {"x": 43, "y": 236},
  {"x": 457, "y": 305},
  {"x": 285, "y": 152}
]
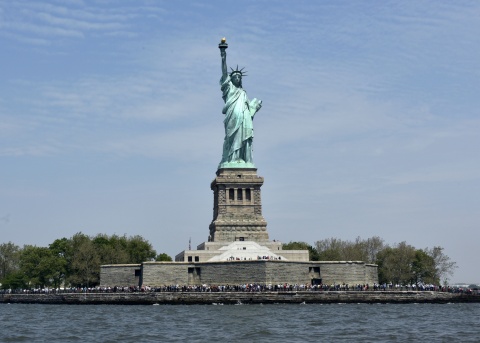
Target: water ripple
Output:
[{"x": 251, "y": 323}]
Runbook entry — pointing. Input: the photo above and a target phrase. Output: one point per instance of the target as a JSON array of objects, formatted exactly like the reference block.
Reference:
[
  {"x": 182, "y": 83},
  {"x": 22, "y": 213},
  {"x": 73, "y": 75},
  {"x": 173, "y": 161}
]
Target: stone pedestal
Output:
[
  {"x": 238, "y": 231},
  {"x": 237, "y": 206}
]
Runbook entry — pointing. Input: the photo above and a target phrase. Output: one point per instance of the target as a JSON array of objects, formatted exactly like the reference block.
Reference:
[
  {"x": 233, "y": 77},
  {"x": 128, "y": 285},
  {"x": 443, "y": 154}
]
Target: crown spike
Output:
[{"x": 238, "y": 71}]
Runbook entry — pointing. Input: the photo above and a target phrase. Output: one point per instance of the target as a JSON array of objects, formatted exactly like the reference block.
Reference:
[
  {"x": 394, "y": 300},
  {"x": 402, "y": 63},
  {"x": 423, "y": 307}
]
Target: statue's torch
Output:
[{"x": 223, "y": 44}]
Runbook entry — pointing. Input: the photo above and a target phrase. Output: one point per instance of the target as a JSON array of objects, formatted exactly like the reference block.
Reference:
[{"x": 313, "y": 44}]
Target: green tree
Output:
[
  {"x": 163, "y": 257},
  {"x": 89, "y": 253},
  {"x": 63, "y": 250},
  {"x": 75, "y": 261},
  {"x": 140, "y": 250},
  {"x": 41, "y": 266},
  {"x": 372, "y": 247},
  {"x": 14, "y": 280},
  {"x": 444, "y": 266},
  {"x": 423, "y": 268},
  {"x": 354, "y": 251},
  {"x": 395, "y": 264},
  {"x": 111, "y": 250},
  {"x": 85, "y": 264},
  {"x": 334, "y": 249},
  {"x": 312, "y": 252},
  {"x": 9, "y": 259},
  {"x": 61, "y": 247},
  {"x": 331, "y": 249}
]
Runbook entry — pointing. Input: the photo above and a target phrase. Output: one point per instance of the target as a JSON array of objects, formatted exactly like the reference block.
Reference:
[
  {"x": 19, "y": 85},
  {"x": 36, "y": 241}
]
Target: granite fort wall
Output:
[
  {"x": 165, "y": 273},
  {"x": 233, "y": 272},
  {"x": 371, "y": 273},
  {"x": 239, "y": 272},
  {"x": 289, "y": 272},
  {"x": 351, "y": 272},
  {"x": 120, "y": 275}
]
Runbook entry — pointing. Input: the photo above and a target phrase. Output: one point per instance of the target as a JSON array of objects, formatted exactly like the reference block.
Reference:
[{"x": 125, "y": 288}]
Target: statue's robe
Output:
[{"x": 238, "y": 123}]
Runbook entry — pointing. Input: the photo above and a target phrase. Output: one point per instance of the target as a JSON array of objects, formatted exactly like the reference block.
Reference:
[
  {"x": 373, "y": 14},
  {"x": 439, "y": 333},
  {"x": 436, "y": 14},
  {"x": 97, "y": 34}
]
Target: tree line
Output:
[
  {"x": 76, "y": 261},
  {"x": 399, "y": 263},
  {"x": 71, "y": 261}
]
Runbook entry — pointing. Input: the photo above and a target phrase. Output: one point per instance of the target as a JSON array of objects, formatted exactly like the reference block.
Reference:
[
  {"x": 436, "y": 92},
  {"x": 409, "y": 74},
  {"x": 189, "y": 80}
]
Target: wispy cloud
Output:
[
  {"x": 55, "y": 31},
  {"x": 77, "y": 24},
  {"x": 30, "y": 150},
  {"x": 35, "y": 23},
  {"x": 186, "y": 144}
]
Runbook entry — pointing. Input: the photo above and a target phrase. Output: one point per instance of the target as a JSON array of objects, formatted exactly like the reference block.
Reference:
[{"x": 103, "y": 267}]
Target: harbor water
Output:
[{"x": 240, "y": 323}]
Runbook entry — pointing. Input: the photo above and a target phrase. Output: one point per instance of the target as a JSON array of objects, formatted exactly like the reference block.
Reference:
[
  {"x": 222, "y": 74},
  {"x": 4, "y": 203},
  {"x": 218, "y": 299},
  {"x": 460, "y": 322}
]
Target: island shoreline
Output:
[{"x": 231, "y": 298}]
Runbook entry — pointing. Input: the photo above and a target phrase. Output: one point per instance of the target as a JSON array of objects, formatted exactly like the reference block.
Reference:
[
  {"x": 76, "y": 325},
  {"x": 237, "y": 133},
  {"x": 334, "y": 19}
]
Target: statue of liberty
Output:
[{"x": 239, "y": 113}]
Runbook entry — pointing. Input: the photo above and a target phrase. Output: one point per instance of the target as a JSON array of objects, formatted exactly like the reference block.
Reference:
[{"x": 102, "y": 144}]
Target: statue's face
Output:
[{"x": 237, "y": 80}]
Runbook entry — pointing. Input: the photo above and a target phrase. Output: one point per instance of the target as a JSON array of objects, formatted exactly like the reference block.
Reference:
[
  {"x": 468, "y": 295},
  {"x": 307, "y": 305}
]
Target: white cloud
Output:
[
  {"x": 21, "y": 27},
  {"x": 77, "y": 24},
  {"x": 182, "y": 145},
  {"x": 35, "y": 23}
]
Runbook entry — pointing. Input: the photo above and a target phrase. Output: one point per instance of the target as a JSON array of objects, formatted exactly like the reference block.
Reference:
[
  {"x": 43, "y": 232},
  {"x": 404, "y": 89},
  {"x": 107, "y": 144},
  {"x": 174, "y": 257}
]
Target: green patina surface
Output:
[{"x": 239, "y": 113}]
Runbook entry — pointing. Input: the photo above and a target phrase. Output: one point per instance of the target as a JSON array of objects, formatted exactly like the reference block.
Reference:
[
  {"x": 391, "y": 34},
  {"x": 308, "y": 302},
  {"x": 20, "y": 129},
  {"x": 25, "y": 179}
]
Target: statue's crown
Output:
[{"x": 236, "y": 71}]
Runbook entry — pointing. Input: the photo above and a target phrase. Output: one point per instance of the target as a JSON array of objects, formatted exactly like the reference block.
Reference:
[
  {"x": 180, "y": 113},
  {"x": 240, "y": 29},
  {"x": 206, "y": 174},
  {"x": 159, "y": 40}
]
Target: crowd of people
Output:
[
  {"x": 247, "y": 288},
  {"x": 265, "y": 257}
]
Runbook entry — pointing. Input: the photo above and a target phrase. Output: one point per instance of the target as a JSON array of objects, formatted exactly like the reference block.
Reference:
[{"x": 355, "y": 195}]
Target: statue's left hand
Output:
[{"x": 254, "y": 106}]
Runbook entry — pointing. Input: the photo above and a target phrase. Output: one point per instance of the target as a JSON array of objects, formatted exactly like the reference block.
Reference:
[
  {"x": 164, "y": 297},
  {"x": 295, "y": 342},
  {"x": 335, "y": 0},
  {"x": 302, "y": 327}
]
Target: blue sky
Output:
[{"x": 110, "y": 119}]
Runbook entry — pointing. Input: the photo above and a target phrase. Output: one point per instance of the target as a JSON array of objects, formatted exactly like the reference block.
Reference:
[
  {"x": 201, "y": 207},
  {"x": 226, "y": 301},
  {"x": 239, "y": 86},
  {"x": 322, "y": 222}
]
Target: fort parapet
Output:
[{"x": 156, "y": 274}]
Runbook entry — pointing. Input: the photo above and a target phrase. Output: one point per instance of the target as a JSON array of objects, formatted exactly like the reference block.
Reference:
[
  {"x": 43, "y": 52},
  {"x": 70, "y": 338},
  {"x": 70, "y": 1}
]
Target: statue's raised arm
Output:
[
  {"x": 223, "y": 53},
  {"x": 239, "y": 113}
]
